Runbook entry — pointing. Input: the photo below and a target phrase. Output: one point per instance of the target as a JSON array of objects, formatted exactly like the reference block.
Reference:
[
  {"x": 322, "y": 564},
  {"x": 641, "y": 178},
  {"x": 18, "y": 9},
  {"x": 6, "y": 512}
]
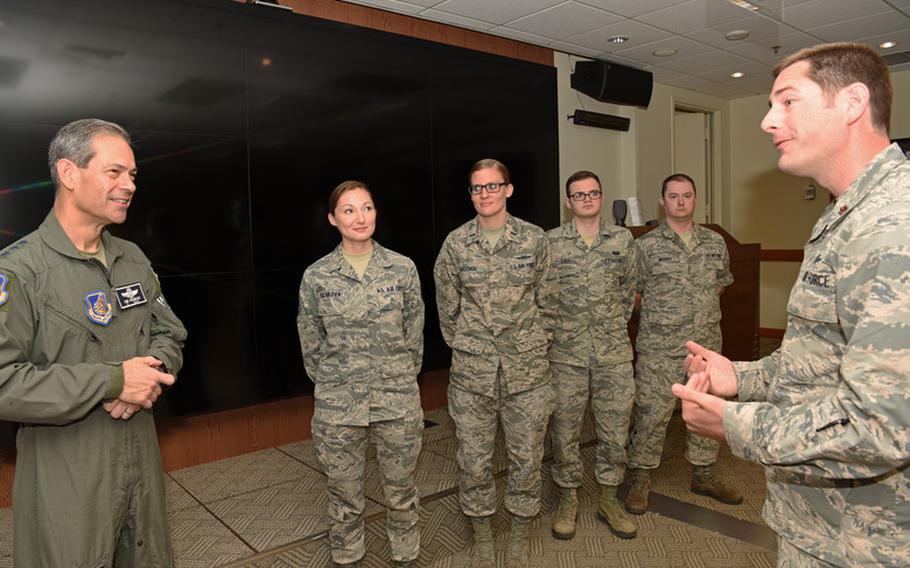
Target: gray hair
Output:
[{"x": 74, "y": 142}]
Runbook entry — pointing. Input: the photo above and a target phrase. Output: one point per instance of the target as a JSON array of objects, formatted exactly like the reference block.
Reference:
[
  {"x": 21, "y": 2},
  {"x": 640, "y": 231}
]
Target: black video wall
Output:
[{"x": 244, "y": 118}]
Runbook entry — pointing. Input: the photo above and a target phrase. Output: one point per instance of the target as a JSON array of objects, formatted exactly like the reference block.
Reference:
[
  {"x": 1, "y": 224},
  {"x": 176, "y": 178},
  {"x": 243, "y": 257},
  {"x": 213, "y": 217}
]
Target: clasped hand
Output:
[{"x": 142, "y": 385}]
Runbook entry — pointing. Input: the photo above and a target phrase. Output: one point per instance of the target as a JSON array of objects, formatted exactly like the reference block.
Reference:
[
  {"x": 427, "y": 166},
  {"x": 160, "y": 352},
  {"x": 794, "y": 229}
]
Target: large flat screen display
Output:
[{"x": 244, "y": 118}]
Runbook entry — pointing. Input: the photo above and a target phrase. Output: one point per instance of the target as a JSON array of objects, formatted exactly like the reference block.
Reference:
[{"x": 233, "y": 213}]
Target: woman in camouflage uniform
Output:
[{"x": 361, "y": 333}]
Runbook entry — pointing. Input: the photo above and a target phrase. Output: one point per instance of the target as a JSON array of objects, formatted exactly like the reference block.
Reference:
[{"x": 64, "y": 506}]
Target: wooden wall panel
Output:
[
  {"x": 781, "y": 255},
  {"x": 400, "y": 24},
  {"x": 189, "y": 441}
]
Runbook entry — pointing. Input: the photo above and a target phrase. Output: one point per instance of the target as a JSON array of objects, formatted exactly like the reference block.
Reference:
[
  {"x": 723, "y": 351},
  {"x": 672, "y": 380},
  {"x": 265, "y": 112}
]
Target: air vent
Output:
[
  {"x": 11, "y": 71},
  {"x": 899, "y": 58}
]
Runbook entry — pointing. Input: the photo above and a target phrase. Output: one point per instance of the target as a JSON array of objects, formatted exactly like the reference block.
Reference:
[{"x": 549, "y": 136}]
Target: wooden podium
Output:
[{"x": 738, "y": 305}]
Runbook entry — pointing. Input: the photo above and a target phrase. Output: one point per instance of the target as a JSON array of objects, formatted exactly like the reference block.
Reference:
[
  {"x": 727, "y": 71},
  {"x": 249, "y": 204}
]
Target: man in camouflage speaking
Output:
[{"x": 828, "y": 414}]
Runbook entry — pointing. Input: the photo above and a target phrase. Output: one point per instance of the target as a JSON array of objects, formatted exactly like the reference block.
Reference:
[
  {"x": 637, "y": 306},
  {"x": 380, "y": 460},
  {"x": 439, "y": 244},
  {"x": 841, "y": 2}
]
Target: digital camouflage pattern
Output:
[
  {"x": 362, "y": 344},
  {"x": 654, "y": 405},
  {"x": 828, "y": 413},
  {"x": 341, "y": 452},
  {"x": 362, "y": 339},
  {"x": 612, "y": 390},
  {"x": 497, "y": 306},
  {"x": 597, "y": 288},
  {"x": 84, "y": 480},
  {"x": 679, "y": 287},
  {"x": 591, "y": 351},
  {"x": 524, "y": 418},
  {"x": 496, "y": 310}
]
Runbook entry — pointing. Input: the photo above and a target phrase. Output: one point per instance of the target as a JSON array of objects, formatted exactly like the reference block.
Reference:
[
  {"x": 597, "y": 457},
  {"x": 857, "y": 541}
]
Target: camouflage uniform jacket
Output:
[
  {"x": 66, "y": 325},
  {"x": 497, "y": 302},
  {"x": 679, "y": 289},
  {"x": 833, "y": 427},
  {"x": 362, "y": 339},
  {"x": 596, "y": 294}
]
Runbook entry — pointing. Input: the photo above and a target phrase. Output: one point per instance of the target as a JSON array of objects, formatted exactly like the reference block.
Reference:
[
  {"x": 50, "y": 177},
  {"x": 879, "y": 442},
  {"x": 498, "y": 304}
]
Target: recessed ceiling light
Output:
[
  {"x": 737, "y": 74},
  {"x": 618, "y": 39},
  {"x": 744, "y": 5},
  {"x": 665, "y": 52},
  {"x": 736, "y": 35},
  {"x": 887, "y": 44}
]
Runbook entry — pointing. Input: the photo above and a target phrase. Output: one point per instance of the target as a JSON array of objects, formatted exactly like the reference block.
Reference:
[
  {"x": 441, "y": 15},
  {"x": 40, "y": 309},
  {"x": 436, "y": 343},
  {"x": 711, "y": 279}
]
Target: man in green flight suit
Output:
[
  {"x": 86, "y": 343},
  {"x": 684, "y": 269},
  {"x": 591, "y": 355},
  {"x": 828, "y": 414}
]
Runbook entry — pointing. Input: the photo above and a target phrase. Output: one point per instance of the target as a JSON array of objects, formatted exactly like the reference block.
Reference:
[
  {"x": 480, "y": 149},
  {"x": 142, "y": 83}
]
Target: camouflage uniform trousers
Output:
[
  {"x": 788, "y": 556},
  {"x": 654, "y": 405},
  {"x": 612, "y": 392},
  {"x": 341, "y": 451},
  {"x": 524, "y": 417}
]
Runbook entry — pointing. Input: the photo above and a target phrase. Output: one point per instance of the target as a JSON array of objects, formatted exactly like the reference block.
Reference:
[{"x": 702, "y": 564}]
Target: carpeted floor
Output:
[{"x": 267, "y": 510}]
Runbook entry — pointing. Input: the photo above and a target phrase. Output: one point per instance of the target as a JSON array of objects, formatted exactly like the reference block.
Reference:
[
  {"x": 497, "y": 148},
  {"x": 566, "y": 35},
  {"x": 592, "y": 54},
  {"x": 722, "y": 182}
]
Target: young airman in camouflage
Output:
[
  {"x": 828, "y": 414},
  {"x": 496, "y": 290},
  {"x": 87, "y": 342},
  {"x": 684, "y": 269},
  {"x": 361, "y": 333},
  {"x": 591, "y": 355}
]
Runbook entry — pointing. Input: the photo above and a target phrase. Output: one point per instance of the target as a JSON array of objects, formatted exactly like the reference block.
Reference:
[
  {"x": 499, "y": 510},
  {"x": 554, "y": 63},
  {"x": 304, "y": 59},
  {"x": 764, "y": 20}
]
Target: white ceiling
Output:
[{"x": 695, "y": 28}]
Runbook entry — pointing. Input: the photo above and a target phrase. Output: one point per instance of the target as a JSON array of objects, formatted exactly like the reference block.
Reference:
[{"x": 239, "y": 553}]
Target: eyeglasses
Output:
[
  {"x": 492, "y": 187},
  {"x": 594, "y": 195}
]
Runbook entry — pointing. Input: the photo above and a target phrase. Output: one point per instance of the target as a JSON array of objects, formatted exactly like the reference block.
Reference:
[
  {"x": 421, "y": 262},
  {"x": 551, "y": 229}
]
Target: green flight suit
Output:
[{"x": 89, "y": 489}]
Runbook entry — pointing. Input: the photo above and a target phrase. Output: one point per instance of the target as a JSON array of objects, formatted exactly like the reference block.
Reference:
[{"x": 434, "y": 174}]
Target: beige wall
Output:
[
  {"x": 767, "y": 206},
  {"x": 632, "y": 163},
  {"x": 608, "y": 153},
  {"x": 753, "y": 200}
]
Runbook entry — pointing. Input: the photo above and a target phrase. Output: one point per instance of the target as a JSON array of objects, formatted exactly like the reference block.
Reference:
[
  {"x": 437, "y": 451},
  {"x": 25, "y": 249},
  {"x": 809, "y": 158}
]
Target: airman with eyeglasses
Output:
[
  {"x": 496, "y": 290},
  {"x": 591, "y": 353}
]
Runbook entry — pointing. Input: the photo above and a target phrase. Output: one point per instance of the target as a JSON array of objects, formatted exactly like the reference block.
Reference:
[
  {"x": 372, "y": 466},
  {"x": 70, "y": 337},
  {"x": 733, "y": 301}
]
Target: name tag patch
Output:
[
  {"x": 98, "y": 309},
  {"x": 130, "y": 296},
  {"x": 4, "y": 295}
]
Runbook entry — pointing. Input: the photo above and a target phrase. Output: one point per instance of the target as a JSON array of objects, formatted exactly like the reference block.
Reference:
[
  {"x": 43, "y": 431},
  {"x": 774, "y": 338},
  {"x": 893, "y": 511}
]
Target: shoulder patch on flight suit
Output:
[
  {"x": 130, "y": 296},
  {"x": 98, "y": 309},
  {"x": 4, "y": 295}
]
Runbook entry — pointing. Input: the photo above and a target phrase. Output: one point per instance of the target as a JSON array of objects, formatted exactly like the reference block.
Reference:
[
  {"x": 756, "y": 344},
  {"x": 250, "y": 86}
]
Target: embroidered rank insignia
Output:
[
  {"x": 130, "y": 296},
  {"x": 99, "y": 310},
  {"x": 4, "y": 295}
]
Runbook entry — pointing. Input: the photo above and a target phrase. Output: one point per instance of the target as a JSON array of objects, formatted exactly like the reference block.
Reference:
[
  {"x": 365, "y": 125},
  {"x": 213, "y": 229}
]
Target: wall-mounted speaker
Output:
[
  {"x": 613, "y": 83},
  {"x": 600, "y": 120}
]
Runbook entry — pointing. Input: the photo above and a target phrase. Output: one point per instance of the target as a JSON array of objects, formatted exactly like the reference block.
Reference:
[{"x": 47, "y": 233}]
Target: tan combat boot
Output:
[
  {"x": 704, "y": 482},
  {"x": 517, "y": 553},
  {"x": 639, "y": 489},
  {"x": 610, "y": 512},
  {"x": 565, "y": 515},
  {"x": 483, "y": 555}
]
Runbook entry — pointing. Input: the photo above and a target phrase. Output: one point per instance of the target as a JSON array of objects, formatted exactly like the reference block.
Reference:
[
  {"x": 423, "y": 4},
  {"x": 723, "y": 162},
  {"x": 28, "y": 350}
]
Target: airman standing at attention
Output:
[
  {"x": 684, "y": 270},
  {"x": 591, "y": 354},
  {"x": 496, "y": 290}
]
